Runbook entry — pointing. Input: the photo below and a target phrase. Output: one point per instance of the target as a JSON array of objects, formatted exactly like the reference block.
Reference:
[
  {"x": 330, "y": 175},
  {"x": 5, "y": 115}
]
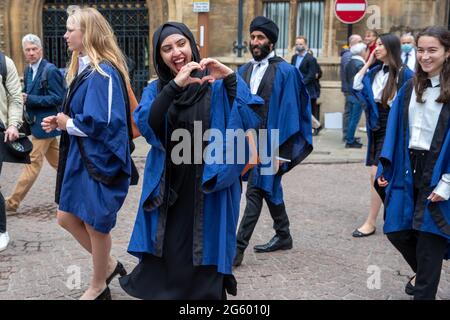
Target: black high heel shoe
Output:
[
  {"x": 118, "y": 270},
  {"x": 105, "y": 295}
]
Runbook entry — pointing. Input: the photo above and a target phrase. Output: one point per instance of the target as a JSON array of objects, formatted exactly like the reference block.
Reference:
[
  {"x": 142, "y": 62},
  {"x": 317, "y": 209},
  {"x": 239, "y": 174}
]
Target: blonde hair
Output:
[{"x": 99, "y": 43}]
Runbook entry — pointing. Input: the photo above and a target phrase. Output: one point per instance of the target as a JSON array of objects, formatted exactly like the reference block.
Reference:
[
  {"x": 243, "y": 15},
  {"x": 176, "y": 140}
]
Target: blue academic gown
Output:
[
  {"x": 289, "y": 111},
  {"x": 107, "y": 148},
  {"x": 368, "y": 101},
  {"x": 400, "y": 211},
  {"x": 220, "y": 182}
]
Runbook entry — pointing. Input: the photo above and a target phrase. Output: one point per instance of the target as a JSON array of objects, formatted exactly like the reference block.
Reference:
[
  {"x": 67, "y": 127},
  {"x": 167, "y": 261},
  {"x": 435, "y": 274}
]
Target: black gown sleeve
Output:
[
  {"x": 160, "y": 106},
  {"x": 230, "y": 83}
]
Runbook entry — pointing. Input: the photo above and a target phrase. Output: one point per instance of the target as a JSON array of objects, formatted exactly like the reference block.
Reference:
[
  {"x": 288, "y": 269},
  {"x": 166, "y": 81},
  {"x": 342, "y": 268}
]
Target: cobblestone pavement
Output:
[{"x": 325, "y": 203}]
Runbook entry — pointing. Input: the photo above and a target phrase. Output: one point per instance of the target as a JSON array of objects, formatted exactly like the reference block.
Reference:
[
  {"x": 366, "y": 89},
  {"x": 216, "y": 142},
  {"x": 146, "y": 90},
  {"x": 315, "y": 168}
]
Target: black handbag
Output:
[{"x": 27, "y": 123}]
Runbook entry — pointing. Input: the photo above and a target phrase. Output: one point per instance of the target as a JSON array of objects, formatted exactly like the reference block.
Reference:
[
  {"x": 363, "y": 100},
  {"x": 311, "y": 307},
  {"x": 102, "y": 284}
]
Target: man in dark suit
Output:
[
  {"x": 43, "y": 94},
  {"x": 310, "y": 70}
]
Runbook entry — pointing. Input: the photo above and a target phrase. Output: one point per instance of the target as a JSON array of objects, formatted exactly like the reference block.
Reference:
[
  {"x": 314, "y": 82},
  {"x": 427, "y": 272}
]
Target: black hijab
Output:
[{"x": 192, "y": 93}]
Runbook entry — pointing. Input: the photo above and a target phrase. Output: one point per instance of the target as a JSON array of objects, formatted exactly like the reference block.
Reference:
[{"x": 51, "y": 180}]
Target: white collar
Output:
[
  {"x": 436, "y": 80},
  {"x": 84, "y": 59},
  {"x": 265, "y": 60},
  {"x": 36, "y": 65},
  {"x": 83, "y": 62}
]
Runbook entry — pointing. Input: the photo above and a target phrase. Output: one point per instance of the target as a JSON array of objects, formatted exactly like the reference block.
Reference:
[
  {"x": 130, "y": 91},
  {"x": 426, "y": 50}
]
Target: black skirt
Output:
[
  {"x": 173, "y": 276},
  {"x": 377, "y": 137}
]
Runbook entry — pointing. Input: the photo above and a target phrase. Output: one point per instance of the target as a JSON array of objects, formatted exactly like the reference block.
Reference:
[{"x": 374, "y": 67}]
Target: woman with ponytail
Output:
[{"x": 376, "y": 89}]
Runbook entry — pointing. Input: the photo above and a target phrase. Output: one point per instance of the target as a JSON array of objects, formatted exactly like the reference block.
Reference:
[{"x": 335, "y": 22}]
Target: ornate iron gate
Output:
[{"x": 129, "y": 20}]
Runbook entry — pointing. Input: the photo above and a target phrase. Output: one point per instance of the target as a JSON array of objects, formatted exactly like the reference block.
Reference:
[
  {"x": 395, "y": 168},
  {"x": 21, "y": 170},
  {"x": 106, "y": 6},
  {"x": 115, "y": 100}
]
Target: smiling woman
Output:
[
  {"x": 185, "y": 230},
  {"x": 377, "y": 89},
  {"x": 414, "y": 170}
]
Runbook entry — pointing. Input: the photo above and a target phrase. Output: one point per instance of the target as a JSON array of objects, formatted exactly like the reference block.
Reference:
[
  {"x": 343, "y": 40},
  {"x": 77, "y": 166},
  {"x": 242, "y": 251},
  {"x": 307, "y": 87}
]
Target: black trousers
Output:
[
  {"x": 2, "y": 208},
  {"x": 252, "y": 212},
  {"x": 423, "y": 251}
]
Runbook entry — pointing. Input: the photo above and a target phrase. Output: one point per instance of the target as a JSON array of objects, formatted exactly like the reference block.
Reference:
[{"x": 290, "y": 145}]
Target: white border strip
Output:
[{"x": 350, "y": 7}]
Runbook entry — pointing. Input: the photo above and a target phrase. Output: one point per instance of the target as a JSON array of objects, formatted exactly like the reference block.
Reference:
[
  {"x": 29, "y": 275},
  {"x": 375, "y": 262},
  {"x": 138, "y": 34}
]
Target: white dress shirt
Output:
[
  {"x": 83, "y": 63},
  {"x": 423, "y": 119},
  {"x": 378, "y": 85},
  {"x": 259, "y": 69},
  {"x": 35, "y": 68},
  {"x": 411, "y": 59}
]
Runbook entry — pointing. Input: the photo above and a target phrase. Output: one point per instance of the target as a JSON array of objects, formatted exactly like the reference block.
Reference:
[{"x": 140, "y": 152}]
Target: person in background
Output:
[
  {"x": 43, "y": 95},
  {"x": 308, "y": 67},
  {"x": 11, "y": 108},
  {"x": 358, "y": 51},
  {"x": 287, "y": 111},
  {"x": 346, "y": 87},
  {"x": 370, "y": 40},
  {"x": 408, "y": 50},
  {"x": 377, "y": 89}
]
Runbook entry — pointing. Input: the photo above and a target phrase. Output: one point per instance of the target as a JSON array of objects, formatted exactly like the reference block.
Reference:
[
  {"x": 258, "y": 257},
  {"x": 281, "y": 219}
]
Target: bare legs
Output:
[
  {"x": 375, "y": 205},
  {"x": 97, "y": 244}
]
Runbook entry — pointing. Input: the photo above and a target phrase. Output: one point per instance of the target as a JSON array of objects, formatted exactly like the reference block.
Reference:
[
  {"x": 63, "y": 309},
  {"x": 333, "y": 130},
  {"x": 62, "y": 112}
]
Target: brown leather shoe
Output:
[{"x": 10, "y": 210}]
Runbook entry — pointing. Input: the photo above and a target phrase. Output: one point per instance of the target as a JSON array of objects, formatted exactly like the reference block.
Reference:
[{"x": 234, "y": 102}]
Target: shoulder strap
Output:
[
  {"x": 44, "y": 76},
  {"x": 134, "y": 172},
  {"x": 3, "y": 69}
]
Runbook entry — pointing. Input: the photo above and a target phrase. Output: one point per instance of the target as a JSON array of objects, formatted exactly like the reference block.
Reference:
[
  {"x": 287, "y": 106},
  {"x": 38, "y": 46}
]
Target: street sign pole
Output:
[
  {"x": 350, "y": 12},
  {"x": 349, "y": 31}
]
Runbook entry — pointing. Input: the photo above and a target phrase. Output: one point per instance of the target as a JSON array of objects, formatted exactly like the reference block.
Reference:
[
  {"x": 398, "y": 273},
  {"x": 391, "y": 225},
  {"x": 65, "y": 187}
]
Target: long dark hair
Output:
[
  {"x": 420, "y": 78},
  {"x": 393, "y": 47}
]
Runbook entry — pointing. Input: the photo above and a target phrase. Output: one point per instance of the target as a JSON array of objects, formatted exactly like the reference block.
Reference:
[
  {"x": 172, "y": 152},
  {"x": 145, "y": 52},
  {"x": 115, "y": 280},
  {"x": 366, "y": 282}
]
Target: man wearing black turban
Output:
[{"x": 286, "y": 112}]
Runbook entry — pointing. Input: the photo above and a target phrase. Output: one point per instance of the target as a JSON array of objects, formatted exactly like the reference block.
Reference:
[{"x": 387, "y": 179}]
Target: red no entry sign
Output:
[{"x": 350, "y": 11}]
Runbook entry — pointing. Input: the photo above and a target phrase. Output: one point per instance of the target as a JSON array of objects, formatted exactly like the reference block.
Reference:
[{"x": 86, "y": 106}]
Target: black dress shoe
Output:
[
  {"x": 238, "y": 258},
  {"x": 105, "y": 295},
  {"x": 118, "y": 270},
  {"x": 409, "y": 288},
  {"x": 276, "y": 243},
  {"x": 359, "y": 234},
  {"x": 355, "y": 145}
]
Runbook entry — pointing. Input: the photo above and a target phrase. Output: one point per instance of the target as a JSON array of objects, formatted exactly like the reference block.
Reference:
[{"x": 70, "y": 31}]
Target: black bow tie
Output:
[
  {"x": 385, "y": 69},
  {"x": 430, "y": 84}
]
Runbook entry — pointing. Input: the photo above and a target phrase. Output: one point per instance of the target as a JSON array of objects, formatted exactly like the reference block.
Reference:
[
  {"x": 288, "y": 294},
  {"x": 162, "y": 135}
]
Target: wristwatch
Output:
[{"x": 17, "y": 125}]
